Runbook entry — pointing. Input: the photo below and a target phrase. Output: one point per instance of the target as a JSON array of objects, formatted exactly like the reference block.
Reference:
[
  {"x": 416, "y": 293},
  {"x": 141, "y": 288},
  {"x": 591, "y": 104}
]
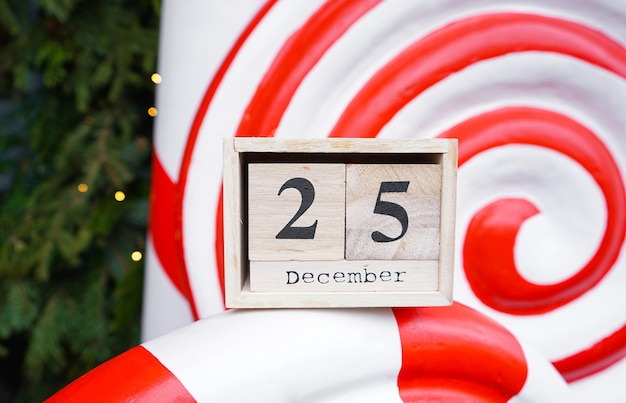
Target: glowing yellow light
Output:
[
  {"x": 136, "y": 256},
  {"x": 152, "y": 111},
  {"x": 83, "y": 187},
  {"x": 156, "y": 78},
  {"x": 119, "y": 195}
]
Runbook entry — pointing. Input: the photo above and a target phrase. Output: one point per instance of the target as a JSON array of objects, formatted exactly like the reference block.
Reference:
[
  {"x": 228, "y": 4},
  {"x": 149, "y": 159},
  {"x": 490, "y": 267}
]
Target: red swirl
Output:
[
  {"x": 460, "y": 45},
  {"x": 295, "y": 60},
  {"x": 425, "y": 63},
  {"x": 421, "y": 65},
  {"x": 164, "y": 231},
  {"x": 488, "y": 256},
  {"x": 594, "y": 359}
]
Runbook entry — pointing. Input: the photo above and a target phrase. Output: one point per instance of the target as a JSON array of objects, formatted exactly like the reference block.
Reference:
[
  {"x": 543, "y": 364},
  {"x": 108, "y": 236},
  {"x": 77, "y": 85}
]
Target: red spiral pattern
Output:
[
  {"x": 488, "y": 256},
  {"x": 294, "y": 61},
  {"x": 166, "y": 228},
  {"x": 460, "y": 45},
  {"x": 488, "y": 249}
]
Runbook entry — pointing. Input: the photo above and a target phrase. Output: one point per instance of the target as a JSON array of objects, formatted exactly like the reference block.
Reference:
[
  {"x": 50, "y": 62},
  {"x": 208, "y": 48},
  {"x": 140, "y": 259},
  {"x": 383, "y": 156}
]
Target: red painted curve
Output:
[
  {"x": 165, "y": 232},
  {"x": 461, "y": 44},
  {"x": 596, "y": 358},
  {"x": 295, "y": 60},
  {"x": 168, "y": 195},
  {"x": 441, "y": 53},
  {"x": 491, "y": 271},
  {"x": 133, "y": 376},
  {"x": 440, "y": 363},
  {"x": 488, "y": 251},
  {"x": 455, "y": 354},
  {"x": 427, "y": 62}
]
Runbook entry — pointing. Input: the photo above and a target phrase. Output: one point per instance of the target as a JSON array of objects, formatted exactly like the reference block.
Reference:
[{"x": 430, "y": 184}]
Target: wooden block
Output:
[
  {"x": 393, "y": 211},
  {"x": 256, "y": 263},
  {"x": 296, "y": 211},
  {"x": 337, "y": 276}
]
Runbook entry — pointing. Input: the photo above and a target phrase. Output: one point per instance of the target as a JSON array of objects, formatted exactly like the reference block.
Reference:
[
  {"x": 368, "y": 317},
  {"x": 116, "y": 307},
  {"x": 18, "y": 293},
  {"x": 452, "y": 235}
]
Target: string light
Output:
[
  {"x": 120, "y": 196},
  {"x": 136, "y": 256},
  {"x": 152, "y": 111},
  {"x": 83, "y": 187},
  {"x": 156, "y": 78}
]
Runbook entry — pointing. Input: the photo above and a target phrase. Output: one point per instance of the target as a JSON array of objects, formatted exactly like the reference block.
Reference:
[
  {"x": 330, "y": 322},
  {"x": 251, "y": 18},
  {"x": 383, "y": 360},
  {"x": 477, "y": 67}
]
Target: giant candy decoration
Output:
[
  {"x": 284, "y": 356},
  {"x": 534, "y": 91}
]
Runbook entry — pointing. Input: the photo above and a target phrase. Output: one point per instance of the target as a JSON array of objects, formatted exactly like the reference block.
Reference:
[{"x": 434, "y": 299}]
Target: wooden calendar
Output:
[{"x": 339, "y": 222}]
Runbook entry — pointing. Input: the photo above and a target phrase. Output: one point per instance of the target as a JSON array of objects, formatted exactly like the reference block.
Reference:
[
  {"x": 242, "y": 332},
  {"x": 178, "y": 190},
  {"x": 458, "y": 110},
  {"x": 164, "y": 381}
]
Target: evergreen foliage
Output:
[{"x": 74, "y": 90}]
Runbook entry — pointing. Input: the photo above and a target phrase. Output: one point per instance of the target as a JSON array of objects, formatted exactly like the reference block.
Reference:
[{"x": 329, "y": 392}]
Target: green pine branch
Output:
[{"x": 74, "y": 88}]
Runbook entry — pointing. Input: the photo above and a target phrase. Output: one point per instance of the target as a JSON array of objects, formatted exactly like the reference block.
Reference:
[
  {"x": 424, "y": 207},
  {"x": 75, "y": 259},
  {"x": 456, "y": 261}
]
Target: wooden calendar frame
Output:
[{"x": 240, "y": 153}]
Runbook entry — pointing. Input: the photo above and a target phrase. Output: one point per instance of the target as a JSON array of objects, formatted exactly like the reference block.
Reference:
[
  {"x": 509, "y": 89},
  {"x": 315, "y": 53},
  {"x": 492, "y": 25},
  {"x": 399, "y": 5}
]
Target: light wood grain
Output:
[
  {"x": 336, "y": 145},
  {"x": 433, "y": 288},
  {"x": 448, "y": 219},
  {"x": 269, "y": 212},
  {"x": 235, "y": 266},
  {"x": 421, "y": 201},
  {"x": 336, "y": 299},
  {"x": 316, "y": 276}
]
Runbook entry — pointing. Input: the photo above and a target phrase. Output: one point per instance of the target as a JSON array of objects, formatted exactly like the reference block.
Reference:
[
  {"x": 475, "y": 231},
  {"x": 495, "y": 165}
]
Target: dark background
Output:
[{"x": 74, "y": 93}]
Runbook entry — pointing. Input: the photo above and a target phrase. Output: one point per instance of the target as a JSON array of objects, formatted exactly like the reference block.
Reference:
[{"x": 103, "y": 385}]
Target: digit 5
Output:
[{"x": 391, "y": 209}]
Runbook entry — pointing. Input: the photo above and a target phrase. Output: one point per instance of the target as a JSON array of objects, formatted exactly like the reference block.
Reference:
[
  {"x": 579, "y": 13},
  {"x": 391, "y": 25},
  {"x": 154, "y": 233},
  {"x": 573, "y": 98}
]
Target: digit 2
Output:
[
  {"x": 391, "y": 209},
  {"x": 307, "y": 191}
]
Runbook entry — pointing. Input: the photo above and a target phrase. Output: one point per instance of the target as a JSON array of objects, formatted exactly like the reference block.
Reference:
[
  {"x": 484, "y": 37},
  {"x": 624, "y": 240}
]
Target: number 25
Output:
[{"x": 307, "y": 192}]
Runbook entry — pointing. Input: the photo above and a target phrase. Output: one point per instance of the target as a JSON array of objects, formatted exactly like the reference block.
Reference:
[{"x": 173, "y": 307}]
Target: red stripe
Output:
[
  {"x": 488, "y": 252},
  {"x": 295, "y": 60},
  {"x": 219, "y": 243},
  {"x": 598, "y": 357},
  {"x": 165, "y": 231},
  {"x": 455, "y": 354},
  {"x": 135, "y": 376},
  {"x": 433, "y": 58},
  {"x": 193, "y": 136},
  {"x": 461, "y": 44},
  {"x": 491, "y": 270}
]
